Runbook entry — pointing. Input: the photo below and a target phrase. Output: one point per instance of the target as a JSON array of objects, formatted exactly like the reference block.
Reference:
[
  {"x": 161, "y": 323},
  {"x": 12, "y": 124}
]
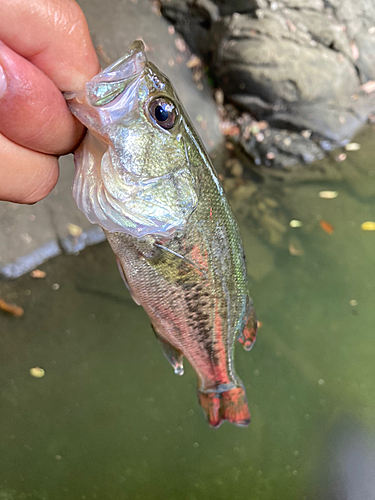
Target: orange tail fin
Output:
[{"x": 229, "y": 405}]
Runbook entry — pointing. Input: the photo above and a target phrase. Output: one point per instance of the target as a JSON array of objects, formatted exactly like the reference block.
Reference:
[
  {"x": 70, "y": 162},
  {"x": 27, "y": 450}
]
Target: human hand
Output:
[{"x": 45, "y": 49}]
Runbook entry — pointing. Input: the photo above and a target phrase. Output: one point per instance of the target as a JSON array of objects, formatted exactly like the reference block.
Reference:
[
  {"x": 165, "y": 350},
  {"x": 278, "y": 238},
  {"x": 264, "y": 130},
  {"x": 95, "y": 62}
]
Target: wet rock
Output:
[
  {"x": 280, "y": 148},
  {"x": 297, "y": 64},
  {"x": 28, "y": 238}
]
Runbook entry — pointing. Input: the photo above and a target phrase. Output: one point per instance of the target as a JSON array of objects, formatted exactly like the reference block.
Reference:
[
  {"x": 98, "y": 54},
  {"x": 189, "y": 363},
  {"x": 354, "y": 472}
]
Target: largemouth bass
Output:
[{"x": 144, "y": 176}]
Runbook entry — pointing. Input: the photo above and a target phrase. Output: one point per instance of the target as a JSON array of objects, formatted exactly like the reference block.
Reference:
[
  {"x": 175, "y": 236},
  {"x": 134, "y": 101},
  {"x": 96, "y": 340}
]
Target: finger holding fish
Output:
[{"x": 45, "y": 48}]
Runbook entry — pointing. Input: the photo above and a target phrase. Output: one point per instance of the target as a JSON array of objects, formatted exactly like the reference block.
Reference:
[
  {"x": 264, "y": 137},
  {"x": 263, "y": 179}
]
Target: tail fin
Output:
[{"x": 228, "y": 405}]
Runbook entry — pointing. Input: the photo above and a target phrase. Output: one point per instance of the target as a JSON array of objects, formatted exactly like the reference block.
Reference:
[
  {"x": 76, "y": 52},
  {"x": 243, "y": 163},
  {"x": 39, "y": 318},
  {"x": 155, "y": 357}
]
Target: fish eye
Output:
[{"x": 163, "y": 112}]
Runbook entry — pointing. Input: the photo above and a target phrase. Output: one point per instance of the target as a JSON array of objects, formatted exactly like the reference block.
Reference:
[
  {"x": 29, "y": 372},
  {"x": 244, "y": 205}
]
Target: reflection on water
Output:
[{"x": 109, "y": 419}]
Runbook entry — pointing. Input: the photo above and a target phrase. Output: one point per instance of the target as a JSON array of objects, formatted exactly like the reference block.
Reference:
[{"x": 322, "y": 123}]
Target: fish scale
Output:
[{"x": 176, "y": 239}]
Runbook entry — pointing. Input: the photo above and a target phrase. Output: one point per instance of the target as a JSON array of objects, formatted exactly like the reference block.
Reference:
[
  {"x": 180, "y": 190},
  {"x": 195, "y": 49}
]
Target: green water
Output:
[{"x": 110, "y": 420}]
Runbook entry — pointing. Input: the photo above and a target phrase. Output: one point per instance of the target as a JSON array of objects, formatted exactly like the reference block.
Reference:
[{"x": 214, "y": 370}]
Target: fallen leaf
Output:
[
  {"x": 353, "y": 146},
  {"x": 180, "y": 44},
  {"x": 37, "y": 273},
  {"x": 74, "y": 230},
  {"x": 326, "y": 226},
  {"x": 193, "y": 62},
  {"x": 368, "y": 87},
  {"x": 295, "y": 223},
  {"x": 228, "y": 128},
  {"x": 328, "y": 195},
  {"x": 37, "y": 372},
  {"x": 368, "y": 226},
  {"x": 12, "y": 309}
]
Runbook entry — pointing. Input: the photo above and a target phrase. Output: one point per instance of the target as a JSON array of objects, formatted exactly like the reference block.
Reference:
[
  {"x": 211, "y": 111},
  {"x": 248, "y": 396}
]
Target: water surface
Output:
[{"x": 110, "y": 420}]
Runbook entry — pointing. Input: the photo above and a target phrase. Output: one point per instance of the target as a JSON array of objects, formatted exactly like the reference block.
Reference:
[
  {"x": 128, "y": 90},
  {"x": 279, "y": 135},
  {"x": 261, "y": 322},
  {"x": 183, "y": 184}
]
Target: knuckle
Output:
[{"x": 67, "y": 15}]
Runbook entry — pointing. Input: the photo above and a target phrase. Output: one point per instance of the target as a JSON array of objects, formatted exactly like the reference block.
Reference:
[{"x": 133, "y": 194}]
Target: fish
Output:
[{"x": 143, "y": 175}]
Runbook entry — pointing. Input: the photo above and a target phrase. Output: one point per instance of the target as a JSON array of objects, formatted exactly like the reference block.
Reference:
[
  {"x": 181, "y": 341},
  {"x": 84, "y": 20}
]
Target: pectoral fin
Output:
[
  {"x": 184, "y": 259},
  {"x": 172, "y": 354}
]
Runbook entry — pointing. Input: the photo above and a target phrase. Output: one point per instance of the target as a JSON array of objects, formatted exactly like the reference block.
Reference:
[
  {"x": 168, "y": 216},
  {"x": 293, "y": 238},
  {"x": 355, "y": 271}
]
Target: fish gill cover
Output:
[{"x": 112, "y": 186}]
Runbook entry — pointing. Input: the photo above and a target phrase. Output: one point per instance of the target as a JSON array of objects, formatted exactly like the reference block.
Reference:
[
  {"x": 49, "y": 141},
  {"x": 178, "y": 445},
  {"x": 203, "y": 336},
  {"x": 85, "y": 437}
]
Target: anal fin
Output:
[
  {"x": 173, "y": 355},
  {"x": 248, "y": 337}
]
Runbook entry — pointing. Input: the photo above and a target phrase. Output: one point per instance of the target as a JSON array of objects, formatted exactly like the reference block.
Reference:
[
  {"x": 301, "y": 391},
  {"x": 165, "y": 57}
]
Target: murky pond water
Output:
[{"x": 110, "y": 420}]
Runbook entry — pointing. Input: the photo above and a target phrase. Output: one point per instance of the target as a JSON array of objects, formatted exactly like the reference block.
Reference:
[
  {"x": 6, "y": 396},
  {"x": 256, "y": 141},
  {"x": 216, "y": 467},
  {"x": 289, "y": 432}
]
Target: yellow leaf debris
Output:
[
  {"x": 368, "y": 226},
  {"x": 37, "y": 372},
  {"x": 328, "y": 195}
]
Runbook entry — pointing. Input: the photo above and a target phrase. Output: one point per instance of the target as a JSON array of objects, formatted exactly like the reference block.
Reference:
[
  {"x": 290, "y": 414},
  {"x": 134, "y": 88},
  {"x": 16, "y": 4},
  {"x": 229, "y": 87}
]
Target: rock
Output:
[
  {"x": 280, "y": 148},
  {"x": 297, "y": 64},
  {"x": 28, "y": 238}
]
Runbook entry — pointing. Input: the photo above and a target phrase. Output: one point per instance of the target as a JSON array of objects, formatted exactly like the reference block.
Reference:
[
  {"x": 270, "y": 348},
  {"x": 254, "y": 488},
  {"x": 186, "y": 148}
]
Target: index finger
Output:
[{"x": 53, "y": 35}]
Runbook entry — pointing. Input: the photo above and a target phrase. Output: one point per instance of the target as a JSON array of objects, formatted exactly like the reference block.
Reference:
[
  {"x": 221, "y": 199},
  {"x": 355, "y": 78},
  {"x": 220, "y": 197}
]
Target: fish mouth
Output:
[
  {"x": 111, "y": 81},
  {"x": 129, "y": 64}
]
